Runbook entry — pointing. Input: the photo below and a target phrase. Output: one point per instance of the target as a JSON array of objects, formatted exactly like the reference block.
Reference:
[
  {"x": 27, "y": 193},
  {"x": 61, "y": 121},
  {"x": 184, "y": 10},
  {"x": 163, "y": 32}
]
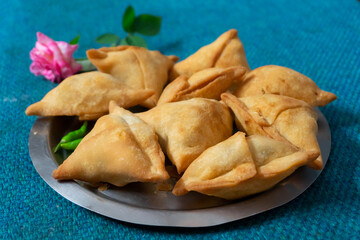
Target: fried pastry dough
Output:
[
  {"x": 239, "y": 167},
  {"x": 284, "y": 81},
  {"x": 187, "y": 128},
  {"x": 137, "y": 67},
  {"x": 226, "y": 51},
  {"x": 279, "y": 117},
  {"x": 121, "y": 148},
  {"x": 87, "y": 95},
  {"x": 299, "y": 126},
  {"x": 207, "y": 83}
]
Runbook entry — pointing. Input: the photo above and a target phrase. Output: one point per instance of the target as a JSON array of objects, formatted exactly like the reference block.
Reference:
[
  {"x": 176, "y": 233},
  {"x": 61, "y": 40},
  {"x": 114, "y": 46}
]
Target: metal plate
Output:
[{"x": 141, "y": 204}]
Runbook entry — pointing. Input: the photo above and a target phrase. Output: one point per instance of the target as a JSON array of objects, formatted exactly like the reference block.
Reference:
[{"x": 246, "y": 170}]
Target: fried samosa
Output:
[
  {"x": 279, "y": 117},
  {"x": 187, "y": 128},
  {"x": 239, "y": 167},
  {"x": 87, "y": 95},
  {"x": 137, "y": 67},
  {"x": 121, "y": 148},
  {"x": 207, "y": 83},
  {"x": 284, "y": 81},
  {"x": 226, "y": 51}
]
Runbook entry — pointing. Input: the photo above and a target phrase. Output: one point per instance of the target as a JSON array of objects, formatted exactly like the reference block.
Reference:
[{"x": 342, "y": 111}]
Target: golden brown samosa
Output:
[
  {"x": 284, "y": 81},
  {"x": 87, "y": 95},
  {"x": 137, "y": 67},
  {"x": 207, "y": 83},
  {"x": 279, "y": 117},
  {"x": 121, "y": 148},
  {"x": 239, "y": 167},
  {"x": 226, "y": 51},
  {"x": 187, "y": 128}
]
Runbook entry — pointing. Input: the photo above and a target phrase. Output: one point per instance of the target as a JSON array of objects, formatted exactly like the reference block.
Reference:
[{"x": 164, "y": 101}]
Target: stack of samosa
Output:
[{"x": 192, "y": 106}]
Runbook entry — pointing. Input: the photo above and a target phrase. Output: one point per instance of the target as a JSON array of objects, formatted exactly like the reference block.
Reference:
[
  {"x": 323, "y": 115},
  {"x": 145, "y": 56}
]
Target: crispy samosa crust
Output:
[
  {"x": 279, "y": 117},
  {"x": 121, "y": 148},
  {"x": 187, "y": 128},
  {"x": 137, "y": 67},
  {"x": 226, "y": 51},
  {"x": 87, "y": 95},
  {"x": 284, "y": 81},
  {"x": 239, "y": 167},
  {"x": 207, "y": 83}
]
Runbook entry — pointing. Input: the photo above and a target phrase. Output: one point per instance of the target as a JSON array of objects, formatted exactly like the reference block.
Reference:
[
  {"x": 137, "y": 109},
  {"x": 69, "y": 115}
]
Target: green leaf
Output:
[
  {"x": 124, "y": 42},
  {"x": 128, "y": 19},
  {"x": 107, "y": 38},
  {"x": 134, "y": 40},
  {"x": 147, "y": 24},
  {"x": 75, "y": 40}
]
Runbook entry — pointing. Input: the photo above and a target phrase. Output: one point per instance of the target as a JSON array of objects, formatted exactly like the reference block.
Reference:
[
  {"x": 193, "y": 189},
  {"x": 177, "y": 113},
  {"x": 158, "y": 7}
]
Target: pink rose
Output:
[{"x": 54, "y": 60}]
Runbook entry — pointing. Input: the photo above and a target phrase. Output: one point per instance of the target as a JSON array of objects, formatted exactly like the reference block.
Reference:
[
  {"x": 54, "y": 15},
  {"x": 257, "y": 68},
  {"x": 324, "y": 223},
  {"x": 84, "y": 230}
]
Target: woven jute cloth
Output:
[{"x": 320, "y": 39}]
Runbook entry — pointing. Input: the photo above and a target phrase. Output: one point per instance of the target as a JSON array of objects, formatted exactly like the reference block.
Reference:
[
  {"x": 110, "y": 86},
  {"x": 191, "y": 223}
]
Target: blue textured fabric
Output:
[{"x": 318, "y": 38}]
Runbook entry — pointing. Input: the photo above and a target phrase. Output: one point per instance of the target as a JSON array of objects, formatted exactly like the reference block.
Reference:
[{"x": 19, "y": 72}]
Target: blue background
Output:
[{"x": 318, "y": 38}]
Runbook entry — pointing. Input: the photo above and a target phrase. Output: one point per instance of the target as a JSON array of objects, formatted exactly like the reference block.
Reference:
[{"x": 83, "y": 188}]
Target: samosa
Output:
[
  {"x": 87, "y": 95},
  {"x": 226, "y": 51},
  {"x": 120, "y": 149},
  {"x": 137, "y": 67}
]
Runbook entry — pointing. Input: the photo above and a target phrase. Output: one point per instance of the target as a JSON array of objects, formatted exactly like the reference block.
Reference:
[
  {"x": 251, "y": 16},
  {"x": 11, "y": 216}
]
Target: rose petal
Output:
[
  {"x": 54, "y": 60},
  {"x": 42, "y": 38}
]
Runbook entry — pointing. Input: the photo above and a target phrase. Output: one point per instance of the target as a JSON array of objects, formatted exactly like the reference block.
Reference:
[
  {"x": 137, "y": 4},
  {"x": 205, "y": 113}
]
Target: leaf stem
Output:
[{"x": 86, "y": 65}]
